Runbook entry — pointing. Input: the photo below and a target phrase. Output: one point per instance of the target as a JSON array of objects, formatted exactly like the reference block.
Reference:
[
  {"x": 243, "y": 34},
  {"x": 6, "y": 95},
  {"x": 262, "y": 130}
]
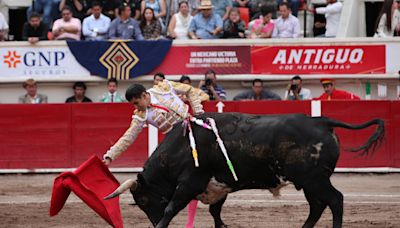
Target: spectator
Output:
[
  {"x": 110, "y": 8},
  {"x": 205, "y": 25},
  {"x": 287, "y": 25},
  {"x": 76, "y": 7},
  {"x": 294, "y": 5},
  {"x": 234, "y": 27},
  {"x": 222, "y": 8},
  {"x": 67, "y": 27},
  {"x": 48, "y": 8},
  {"x": 241, "y": 3},
  {"x": 179, "y": 25},
  {"x": 264, "y": 26},
  {"x": 295, "y": 90},
  {"x": 32, "y": 97},
  {"x": 159, "y": 7},
  {"x": 185, "y": 80},
  {"x": 3, "y": 28},
  {"x": 112, "y": 95},
  {"x": 158, "y": 77},
  {"x": 210, "y": 86},
  {"x": 149, "y": 25},
  {"x": 135, "y": 8},
  {"x": 95, "y": 27},
  {"x": 257, "y": 5},
  {"x": 331, "y": 93},
  {"x": 34, "y": 30},
  {"x": 332, "y": 14},
  {"x": 125, "y": 27},
  {"x": 257, "y": 92},
  {"x": 388, "y": 22},
  {"x": 79, "y": 94}
]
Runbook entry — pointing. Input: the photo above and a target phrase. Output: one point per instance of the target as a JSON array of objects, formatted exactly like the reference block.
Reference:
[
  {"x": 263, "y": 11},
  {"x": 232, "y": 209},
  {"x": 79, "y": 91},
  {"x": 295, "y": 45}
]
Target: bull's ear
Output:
[{"x": 140, "y": 179}]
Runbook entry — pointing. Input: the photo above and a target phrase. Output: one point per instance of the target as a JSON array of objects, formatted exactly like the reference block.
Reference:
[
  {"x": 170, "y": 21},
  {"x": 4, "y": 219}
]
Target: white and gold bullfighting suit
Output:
[{"x": 165, "y": 110}]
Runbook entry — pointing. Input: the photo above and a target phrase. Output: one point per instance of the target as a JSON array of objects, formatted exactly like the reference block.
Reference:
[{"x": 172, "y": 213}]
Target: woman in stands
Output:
[
  {"x": 179, "y": 24},
  {"x": 388, "y": 23},
  {"x": 263, "y": 27},
  {"x": 150, "y": 25},
  {"x": 234, "y": 27}
]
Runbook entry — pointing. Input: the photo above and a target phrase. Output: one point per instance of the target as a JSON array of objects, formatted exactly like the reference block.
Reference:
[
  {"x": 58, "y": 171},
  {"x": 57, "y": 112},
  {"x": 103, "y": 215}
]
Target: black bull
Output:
[{"x": 266, "y": 151}]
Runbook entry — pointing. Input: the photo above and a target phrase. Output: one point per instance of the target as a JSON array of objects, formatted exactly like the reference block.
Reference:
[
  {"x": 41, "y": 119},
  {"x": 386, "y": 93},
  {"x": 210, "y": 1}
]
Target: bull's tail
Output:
[{"x": 374, "y": 141}]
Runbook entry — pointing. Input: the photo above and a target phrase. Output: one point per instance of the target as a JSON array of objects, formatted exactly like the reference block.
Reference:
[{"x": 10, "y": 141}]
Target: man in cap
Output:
[
  {"x": 331, "y": 93},
  {"x": 31, "y": 96},
  {"x": 206, "y": 24}
]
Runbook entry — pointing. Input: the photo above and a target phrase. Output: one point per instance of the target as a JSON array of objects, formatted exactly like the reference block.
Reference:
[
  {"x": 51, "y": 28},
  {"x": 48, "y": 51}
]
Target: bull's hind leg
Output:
[
  {"x": 321, "y": 194},
  {"x": 215, "y": 211}
]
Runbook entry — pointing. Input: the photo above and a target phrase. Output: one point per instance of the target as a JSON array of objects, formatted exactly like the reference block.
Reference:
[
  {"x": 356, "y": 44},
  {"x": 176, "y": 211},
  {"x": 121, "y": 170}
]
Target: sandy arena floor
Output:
[{"x": 371, "y": 200}]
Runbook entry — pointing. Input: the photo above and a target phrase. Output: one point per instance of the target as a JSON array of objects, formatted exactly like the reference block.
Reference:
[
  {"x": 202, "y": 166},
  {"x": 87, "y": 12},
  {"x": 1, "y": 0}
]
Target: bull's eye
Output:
[{"x": 143, "y": 200}]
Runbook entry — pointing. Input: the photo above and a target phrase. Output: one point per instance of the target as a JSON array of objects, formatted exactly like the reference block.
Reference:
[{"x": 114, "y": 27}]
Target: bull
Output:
[{"x": 267, "y": 152}]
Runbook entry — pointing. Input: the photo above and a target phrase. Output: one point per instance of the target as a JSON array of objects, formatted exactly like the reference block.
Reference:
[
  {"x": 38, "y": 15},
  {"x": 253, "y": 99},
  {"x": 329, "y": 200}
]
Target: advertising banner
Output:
[
  {"x": 349, "y": 59},
  {"x": 44, "y": 62},
  {"x": 197, "y": 60}
]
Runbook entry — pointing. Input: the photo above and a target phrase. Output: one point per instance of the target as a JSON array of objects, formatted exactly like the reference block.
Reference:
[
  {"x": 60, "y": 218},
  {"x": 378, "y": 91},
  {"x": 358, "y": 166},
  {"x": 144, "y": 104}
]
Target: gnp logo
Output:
[{"x": 34, "y": 58}]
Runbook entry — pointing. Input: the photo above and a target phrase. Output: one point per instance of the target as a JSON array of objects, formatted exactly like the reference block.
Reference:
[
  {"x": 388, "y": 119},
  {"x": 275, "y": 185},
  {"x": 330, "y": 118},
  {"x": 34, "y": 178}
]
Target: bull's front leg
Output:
[
  {"x": 184, "y": 193},
  {"x": 215, "y": 211}
]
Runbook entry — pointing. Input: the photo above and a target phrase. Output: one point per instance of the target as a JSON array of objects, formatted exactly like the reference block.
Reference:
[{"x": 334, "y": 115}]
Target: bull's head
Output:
[{"x": 146, "y": 196}]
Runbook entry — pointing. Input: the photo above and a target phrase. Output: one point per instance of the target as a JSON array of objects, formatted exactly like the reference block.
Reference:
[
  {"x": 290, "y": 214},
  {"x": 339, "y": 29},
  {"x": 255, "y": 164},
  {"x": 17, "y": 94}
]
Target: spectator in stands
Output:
[
  {"x": 241, "y": 3},
  {"x": 158, "y": 77},
  {"x": 76, "y": 7},
  {"x": 125, "y": 27},
  {"x": 287, "y": 25},
  {"x": 257, "y": 5},
  {"x": 48, "y": 8},
  {"x": 222, "y": 8},
  {"x": 264, "y": 26},
  {"x": 388, "y": 23},
  {"x": 150, "y": 25},
  {"x": 135, "y": 7},
  {"x": 205, "y": 25},
  {"x": 179, "y": 25},
  {"x": 257, "y": 92},
  {"x": 210, "y": 86},
  {"x": 34, "y": 30},
  {"x": 109, "y": 7},
  {"x": 295, "y": 90},
  {"x": 159, "y": 7},
  {"x": 79, "y": 94},
  {"x": 32, "y": 97},
  {"x": 3, "y": 28},
  {"x": 95, "y": 27},
  {"x": 234, "y": 27},
  {"x": 294, "y": 5},
  {"x": 185, "y": 80},
  {"x": 67, "y": 27},
  {"x": 332, "y": 14},
  {"x": 112, "y": 95},
  {"x": 194, "y": 7},
  {"x": 331, "y": 93}
]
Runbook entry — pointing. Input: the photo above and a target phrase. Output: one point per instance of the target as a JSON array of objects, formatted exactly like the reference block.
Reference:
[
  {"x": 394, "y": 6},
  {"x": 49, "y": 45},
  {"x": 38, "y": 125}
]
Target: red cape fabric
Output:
[{"x": 91, "y": 182}]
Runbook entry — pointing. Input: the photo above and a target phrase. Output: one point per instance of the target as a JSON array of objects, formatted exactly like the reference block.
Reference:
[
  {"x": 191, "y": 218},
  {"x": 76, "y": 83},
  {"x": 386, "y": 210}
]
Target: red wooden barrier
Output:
[{"x": 65, "y": 135}]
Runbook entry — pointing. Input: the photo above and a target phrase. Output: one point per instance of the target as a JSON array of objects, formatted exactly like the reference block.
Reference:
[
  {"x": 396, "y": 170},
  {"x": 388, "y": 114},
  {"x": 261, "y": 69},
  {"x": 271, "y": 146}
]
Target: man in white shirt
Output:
[
  {"x": 3, "y": 28},
  {"x": 295, "y": 91},
  {"x": 287, "y": 25},
  {"x": 332, "y": 14},
  {"x": 95, "y": 27}
]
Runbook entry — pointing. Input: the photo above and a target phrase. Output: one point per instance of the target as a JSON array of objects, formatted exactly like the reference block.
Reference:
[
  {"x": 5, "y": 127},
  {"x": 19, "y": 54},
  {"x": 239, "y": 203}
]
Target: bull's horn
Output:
[{"x": 128, "y": 184}]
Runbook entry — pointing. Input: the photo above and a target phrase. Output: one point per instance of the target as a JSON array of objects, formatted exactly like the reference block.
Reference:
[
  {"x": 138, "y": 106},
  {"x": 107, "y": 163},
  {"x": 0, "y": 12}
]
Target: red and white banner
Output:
[
  {"x": 197, "y": 60},
  {"x": 349, "y": 59}
]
